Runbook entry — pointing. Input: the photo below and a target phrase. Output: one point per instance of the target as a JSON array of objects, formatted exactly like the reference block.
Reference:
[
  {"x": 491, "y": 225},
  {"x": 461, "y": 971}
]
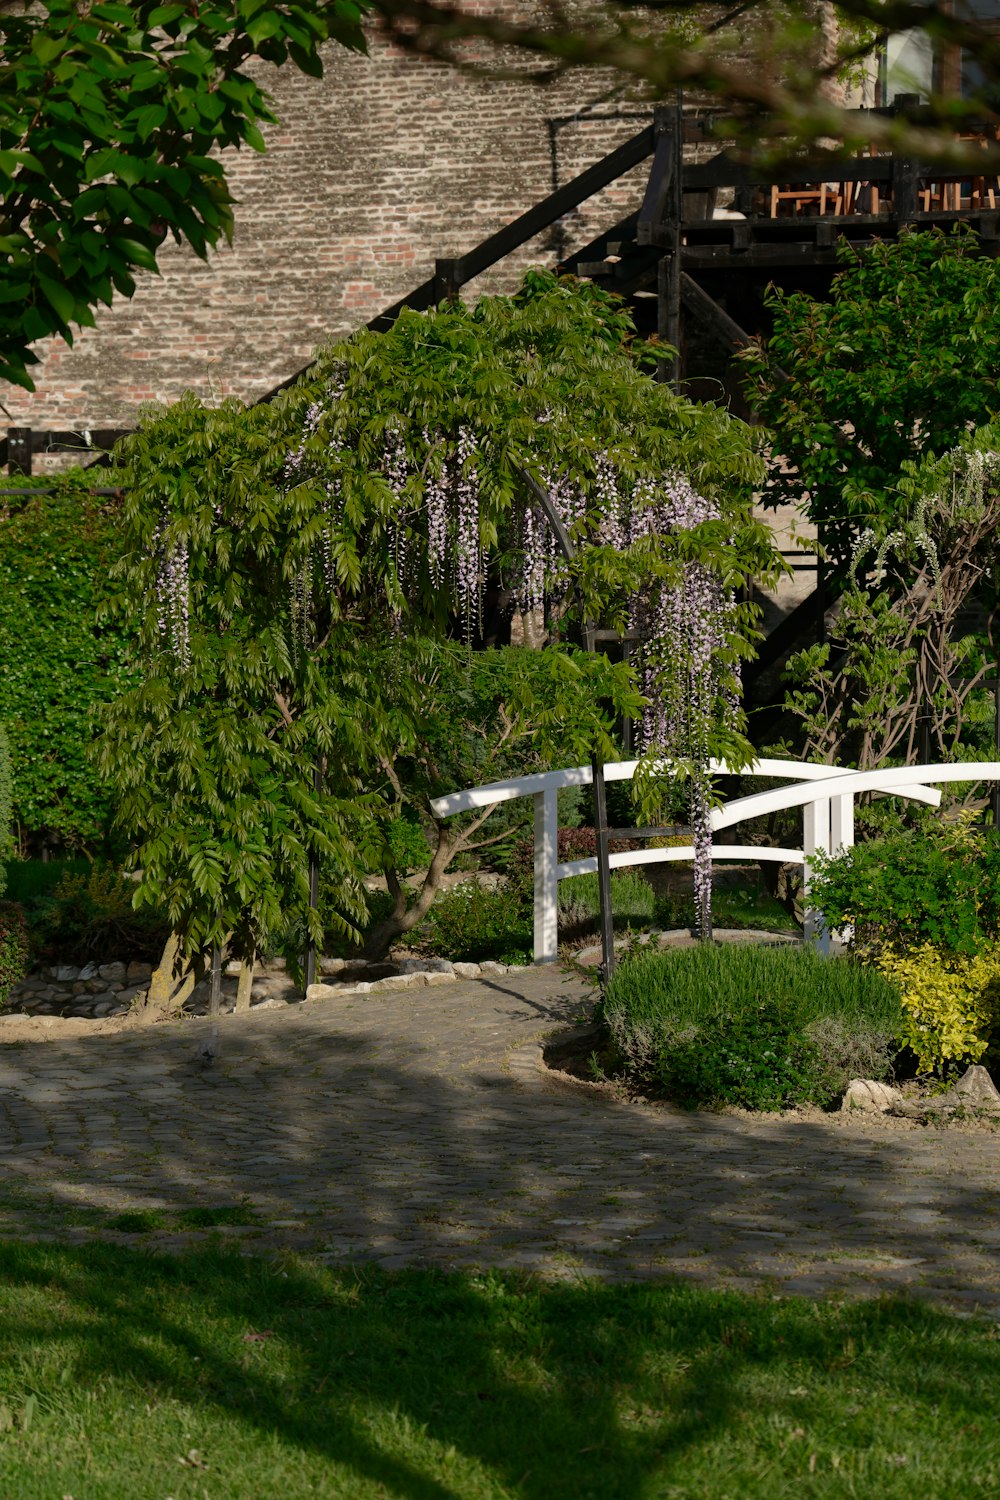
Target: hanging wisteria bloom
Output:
[
  {"x": 173, "y": 592},
  {"x": 680, "y": 628},
  {"x": 682, "y": 634},
  {"x": 468, "y": 549}
]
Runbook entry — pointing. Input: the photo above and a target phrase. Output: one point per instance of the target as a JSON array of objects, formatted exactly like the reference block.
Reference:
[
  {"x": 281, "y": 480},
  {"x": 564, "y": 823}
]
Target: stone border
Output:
[{"x": 96, "y": 991}]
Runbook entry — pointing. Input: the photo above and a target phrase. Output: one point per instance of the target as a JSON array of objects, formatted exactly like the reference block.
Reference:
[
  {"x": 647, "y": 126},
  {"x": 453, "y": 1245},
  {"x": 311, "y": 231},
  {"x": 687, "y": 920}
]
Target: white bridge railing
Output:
[{"x": 825, "y": 793}]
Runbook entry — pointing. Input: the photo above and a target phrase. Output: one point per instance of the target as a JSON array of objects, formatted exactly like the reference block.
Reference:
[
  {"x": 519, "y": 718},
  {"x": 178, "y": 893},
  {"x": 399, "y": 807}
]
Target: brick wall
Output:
[{"x": 373, "y": 171}]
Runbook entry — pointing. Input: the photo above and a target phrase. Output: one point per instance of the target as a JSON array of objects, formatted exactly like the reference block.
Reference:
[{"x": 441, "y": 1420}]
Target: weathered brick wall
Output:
[{"x": 374, "y": 170}]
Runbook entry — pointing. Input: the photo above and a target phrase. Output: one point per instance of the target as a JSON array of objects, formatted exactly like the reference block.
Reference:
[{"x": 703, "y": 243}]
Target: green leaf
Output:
[
  {"x": 137, "y": 254},
  {"x": 58, "y": 296}
]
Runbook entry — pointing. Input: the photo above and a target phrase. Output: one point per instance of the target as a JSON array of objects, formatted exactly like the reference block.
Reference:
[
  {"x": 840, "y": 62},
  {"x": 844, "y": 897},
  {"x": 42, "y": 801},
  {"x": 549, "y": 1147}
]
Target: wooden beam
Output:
[
  {"x": 706, "y": 310},
  {"x": 575, "y": 192}
]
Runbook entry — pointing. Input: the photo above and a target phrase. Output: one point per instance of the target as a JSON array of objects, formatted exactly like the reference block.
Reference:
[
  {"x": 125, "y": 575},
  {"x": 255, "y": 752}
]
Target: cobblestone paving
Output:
[{"x": 416, "y": 1129}]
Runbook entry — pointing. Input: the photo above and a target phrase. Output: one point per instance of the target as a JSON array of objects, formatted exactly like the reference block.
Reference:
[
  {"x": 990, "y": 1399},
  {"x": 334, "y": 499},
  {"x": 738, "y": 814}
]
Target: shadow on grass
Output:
[
  {"x": 390, "y": 1133},
  {"x": 432, "y": 1386}
]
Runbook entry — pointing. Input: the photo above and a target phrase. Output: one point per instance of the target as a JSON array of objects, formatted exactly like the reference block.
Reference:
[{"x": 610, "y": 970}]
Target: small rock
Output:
[
  {"x": 438, "y": 978},
  {"x": 337, "y": 991},
  {"x": 89, "y": 971},
  {"x": 401, "y": 982},
  {"x": 975, "y": 1089},
  {"x": 103, "y": 1007},
  {"x": 492, "y": 969},
  {"x": 275, "y": 966},
  {"x": 232, "y": 968},
  {"x": 334, "y": 965},
  {"x": 467, "y": 971},
  {"x": 109, "y": 972},
  {"x": 96, "y": 986},
  {"x": 324, "y": 991},
  {"x": 867, "y": 1094},
  {"x": 270, "y": 1003},
  {"x": 66, "y": 972},
  {"x": 425, "y": 966},
  {"x": 138, "y": 973}
]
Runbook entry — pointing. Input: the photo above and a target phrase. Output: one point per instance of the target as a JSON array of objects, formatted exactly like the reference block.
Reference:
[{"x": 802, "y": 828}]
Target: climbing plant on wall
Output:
[
  {"x": 57, "y": 661},
  {"x": 275, "y": 554}
]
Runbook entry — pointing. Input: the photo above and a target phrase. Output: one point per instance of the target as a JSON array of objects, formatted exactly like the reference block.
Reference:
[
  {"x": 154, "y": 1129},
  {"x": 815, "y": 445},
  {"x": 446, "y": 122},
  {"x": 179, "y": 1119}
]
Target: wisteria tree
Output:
[{"x": 278, "y": 556}]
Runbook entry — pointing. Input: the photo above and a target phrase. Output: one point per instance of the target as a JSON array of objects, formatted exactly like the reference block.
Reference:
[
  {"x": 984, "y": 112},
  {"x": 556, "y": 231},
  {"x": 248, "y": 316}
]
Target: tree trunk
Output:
[
  {"x": 171, "y": 983},
  {"x": 245, "y": 985},
  {"x": 403, "y": 918}
]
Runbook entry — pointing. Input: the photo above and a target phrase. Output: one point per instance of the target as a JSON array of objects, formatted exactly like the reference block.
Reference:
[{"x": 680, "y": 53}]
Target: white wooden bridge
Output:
[{"x": 825, "y": 793}]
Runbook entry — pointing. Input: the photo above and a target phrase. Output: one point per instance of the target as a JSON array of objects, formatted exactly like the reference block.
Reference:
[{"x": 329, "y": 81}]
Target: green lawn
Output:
[{"x": 126, "y": 1374}]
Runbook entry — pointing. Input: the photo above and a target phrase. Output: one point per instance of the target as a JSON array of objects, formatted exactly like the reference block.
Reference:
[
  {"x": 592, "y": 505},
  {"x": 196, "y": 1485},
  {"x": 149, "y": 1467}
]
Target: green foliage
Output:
[
  {"x": 57, "y": 662},
  {"x": 472, "y": 922},
  {"x": 951, "y": 1002},
  {"x": 902, "y": 665},
  {"x": 112, "y": 117},
  {"x": 899, "y": 363},
  {"x": 913, "y": 888},
  {"x": 31, "y": 879},
  {"x": 13, "y": 947},
  {"x": 6, "y": 804},
  {"x": 91, "y": 917},
  {"x": 408, "y": 848},
  {"x": 471, "y": 717},
  {"x": 748, "y": 1024}
]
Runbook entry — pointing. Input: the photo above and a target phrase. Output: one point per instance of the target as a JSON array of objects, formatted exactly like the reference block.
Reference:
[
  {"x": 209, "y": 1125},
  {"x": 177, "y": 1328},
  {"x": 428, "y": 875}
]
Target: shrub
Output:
[
  {"x": 13, "y": 947},
  {"x": 472, "y": 922},
  {"x": 759, "y": 1058},
  {"x": 913, "y": 888},
  {"x": 951, "y": 1002},
  {"x": 91, "y": 917},
  {"x": 675, "y": 1017},
  {"x": 31, "y": 880}
]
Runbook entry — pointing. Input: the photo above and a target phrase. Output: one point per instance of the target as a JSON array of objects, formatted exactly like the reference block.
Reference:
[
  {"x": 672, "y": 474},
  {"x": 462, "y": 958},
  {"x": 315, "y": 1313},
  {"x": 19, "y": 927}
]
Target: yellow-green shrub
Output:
[{"x": 951, "y": 1001}]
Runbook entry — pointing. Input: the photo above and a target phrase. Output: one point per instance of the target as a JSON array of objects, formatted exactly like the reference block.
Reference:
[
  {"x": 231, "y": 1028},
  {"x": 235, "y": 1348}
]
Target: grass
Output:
[
  {"x": 684, "y": 987},
  {"x": 632, "y": 899},
  {"x": 749, "y": 907},
  {"x": 124, "y": 1374}
]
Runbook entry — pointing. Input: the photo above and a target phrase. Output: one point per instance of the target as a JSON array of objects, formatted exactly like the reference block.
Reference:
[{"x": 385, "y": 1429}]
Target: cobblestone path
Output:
[{"x": 416, "y": 1129}]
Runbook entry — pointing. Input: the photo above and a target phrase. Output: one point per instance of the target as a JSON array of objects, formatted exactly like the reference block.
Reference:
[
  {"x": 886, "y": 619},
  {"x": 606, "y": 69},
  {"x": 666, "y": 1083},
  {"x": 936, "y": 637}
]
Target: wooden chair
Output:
[{"x": 812, "y": 198}]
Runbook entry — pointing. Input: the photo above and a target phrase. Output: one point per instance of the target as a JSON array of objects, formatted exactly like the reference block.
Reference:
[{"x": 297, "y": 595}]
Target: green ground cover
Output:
[{"x": 125, "y": 1374}]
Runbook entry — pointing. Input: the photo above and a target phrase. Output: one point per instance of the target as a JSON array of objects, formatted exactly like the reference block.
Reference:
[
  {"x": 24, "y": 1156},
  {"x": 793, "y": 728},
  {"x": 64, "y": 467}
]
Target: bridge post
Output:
[
  {"x": 815, "y": 840},
  {"x": 546, "y": 879}
]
